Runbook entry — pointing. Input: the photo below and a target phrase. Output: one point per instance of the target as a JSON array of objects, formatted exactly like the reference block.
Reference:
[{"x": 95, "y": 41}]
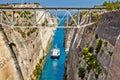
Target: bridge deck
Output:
[{"x": 55, "y": 8}]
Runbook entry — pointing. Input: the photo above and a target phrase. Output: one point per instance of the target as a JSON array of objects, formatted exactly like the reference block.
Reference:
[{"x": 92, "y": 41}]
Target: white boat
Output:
[{"x": 55, "y": 53}]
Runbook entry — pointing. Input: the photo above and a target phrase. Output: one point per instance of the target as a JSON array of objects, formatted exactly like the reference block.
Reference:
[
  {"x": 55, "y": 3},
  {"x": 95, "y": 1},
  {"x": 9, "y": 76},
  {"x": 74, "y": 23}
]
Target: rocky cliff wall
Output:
[
  {"x": 8, "y": 67},
  {"x": 91, "y": 49},
  {"x": 28, "y": 50},
  {"x": 68, "y": 37},
  {"x": 114, "y": 72},
  {"x": 23, "y": 49}
]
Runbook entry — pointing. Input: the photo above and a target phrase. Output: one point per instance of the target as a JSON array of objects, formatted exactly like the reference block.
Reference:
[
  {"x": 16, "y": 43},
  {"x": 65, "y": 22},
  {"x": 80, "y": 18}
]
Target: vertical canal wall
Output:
[
  {"x": 91, "y": 48},
  {"x": 23, "y": 49}
]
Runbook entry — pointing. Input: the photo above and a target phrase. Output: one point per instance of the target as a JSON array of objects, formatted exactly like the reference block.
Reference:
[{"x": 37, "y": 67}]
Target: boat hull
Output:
[{"x": 55, "y": 57}]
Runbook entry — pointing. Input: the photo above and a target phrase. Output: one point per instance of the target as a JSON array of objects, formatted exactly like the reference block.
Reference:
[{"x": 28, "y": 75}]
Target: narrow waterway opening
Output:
[{"x": 54, "y": 68}]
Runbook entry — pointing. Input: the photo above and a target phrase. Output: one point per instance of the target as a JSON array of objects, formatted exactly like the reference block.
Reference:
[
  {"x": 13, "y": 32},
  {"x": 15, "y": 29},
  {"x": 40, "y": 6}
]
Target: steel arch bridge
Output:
[{"x": 46, "y": 17}]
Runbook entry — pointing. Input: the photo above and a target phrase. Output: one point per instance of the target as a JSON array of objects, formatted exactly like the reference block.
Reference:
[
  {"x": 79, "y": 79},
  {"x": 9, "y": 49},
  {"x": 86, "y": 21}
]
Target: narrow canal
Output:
[{"x": 54, "y": 68}]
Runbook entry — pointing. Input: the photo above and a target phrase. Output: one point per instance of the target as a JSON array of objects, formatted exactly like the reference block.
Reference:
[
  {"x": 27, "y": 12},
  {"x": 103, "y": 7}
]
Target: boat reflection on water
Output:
[{"x": 54, "y": 63}]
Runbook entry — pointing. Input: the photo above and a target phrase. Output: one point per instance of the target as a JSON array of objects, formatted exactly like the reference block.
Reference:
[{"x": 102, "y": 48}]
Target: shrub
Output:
[
  {"x": 33, "y": 45},
  {"x": 98, "y": 70},
  {"x": 4, "y": 18},
  {"x": 81, "y": 72},
  {"x": 92, "y": 63},
  {"x": 105, "y": 3},
  {"x": 38, "y": 69},
  {"x": 45, "y": 22},
  {"x": 105, "y": 44},
  {"x": 95, "y": 17},
  {"x": 40, "y": 61},
  {"x": 30, "y": 60},
  {"x": 88, "y": 49},
  {"x": 96, "y": 76},
  {"x": 83, "y": 13},
  {"x": 72, "y": 22},
  {"x": 85, "y": 50},
  {"x": 28, "y": 12},
  {"x": 90, "y": 58},
  {"x": 37, "y": 3},
  {"x": 89, "y": 67},
  {"x": 87, "y": 58},
  {"x": 48, "y": 46},
  {"x": 19, "y": 12},
  {"x": 110, "y": 53},
  {"x": 10, "y": 15},
  {"x": 91, "y": 49},
  {"x": 28, "y": 33},
  {"x": 32, "y": 30},
  {"x": 96, "y": 36},
  {"x": 30, "y": 16},
  {"x": 112, "y": 5},
  {"x": 36, "y": 34},
  {"x": 23, "y": 34},
  {"x": 98, "y": 45}
]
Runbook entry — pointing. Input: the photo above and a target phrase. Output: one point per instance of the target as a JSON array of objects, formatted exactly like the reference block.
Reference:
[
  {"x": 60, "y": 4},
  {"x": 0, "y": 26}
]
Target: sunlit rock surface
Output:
[
  {"x": 107, "y": 29},
  {"x": 22, "y": 48}
]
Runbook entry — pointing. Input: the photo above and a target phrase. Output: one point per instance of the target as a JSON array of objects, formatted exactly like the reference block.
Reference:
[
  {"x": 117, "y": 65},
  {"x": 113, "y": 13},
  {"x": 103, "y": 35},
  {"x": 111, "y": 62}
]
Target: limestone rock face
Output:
[
  {"x": 22, "y": 48},
  {"x": 68, "y": 37},
  {"x": 107, "y": 29},
  {"x": 81, "y": 38},
  {"x": 109, "y": 26},
  {"x": 19, "y": 55},
  {"x": 8, "y": 69},
  {"x": 114, "y": 70}
]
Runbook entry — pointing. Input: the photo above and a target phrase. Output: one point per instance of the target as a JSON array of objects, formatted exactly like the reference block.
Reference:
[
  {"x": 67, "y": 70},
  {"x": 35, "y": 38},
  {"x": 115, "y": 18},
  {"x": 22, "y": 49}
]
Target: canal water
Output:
[{"x": 54, "y": 68}]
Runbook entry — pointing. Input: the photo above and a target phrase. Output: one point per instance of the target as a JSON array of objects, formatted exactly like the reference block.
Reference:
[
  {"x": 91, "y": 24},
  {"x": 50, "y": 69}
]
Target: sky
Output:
[{"x": 60, "y": 3}]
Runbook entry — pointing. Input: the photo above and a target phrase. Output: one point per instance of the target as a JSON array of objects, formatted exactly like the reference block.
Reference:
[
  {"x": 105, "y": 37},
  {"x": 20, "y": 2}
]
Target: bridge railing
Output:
[{"x": 46, "y": 17}]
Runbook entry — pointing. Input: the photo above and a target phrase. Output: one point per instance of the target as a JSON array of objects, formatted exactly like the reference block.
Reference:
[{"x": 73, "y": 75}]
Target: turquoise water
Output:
[{"x": 54, "y": 68}]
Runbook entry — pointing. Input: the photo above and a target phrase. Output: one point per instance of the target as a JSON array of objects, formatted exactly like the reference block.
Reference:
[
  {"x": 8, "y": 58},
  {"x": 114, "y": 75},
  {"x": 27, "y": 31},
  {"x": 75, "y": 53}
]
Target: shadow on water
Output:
[{"x": 54, "y": 68}]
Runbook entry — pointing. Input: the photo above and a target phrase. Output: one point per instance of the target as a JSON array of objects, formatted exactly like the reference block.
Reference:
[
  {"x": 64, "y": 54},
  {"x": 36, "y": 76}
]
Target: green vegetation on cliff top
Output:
[{"x": 112, "y": 5}]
